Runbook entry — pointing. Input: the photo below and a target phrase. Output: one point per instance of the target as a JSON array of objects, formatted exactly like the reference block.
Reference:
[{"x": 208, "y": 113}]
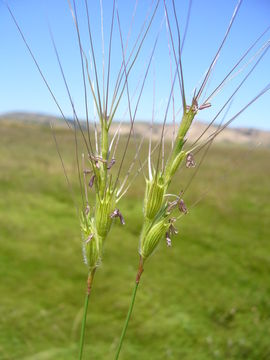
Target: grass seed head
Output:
[
  {"x": 152, "y": 238},
  {"x": 175, "y": 165},
  {"x": 91, "y": 242},
  {"x": 104, "y": 208},
  {"x": 154, "y": 194}
]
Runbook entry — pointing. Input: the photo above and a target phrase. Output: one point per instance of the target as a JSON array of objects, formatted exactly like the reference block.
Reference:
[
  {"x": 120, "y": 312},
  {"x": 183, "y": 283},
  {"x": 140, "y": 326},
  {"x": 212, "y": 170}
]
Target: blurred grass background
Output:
[{"x": 207, "y": 297}]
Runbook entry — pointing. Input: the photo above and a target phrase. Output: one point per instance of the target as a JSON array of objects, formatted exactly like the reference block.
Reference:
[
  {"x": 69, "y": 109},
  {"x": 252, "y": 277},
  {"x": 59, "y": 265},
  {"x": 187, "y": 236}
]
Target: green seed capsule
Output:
[
  {"x": 103, "y": 219},
  {"x": 153, "y": 196},
  {"x": 176, "y": 162},
  {"x": 153, "y": 237},
  {"x": 91, "y": 251},
  {"x": 91, "y": 242}
]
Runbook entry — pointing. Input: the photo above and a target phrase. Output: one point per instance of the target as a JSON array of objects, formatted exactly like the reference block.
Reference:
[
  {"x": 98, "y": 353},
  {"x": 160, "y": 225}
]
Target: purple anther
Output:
[
  {"x": 117, "y": 213},
  {"x": 90, "y": 237},
  {"x": 87, "y": 209},
  {"x": 205, "y": 106},
  {"x": 182, "y": 207},
  {"x": 168, "y": 240},
  {"x": 111, "y": 163},
  {"x": 190, "y": 162},
  {"x": 91, "y": 182}
]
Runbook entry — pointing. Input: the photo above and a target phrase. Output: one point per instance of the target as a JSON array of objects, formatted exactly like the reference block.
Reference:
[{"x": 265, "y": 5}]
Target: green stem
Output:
[
  {"x": 89, "y": 286},
  {"x": 140, "y": 270}
]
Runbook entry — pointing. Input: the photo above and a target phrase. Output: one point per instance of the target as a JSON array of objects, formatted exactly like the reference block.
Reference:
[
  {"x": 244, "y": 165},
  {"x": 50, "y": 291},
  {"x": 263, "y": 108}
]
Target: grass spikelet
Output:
[
  {"x": 159, "y": 212},
  {"x": 151, "y": 237},
  {"x": 154, "y": 194}
]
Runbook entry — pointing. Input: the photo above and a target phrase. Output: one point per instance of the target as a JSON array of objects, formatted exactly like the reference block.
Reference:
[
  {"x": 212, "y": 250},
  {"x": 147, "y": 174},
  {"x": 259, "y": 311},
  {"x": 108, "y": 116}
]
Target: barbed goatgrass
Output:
[
  {"x": 161, "y": 210},
  {"x": 158, "y": 210}
]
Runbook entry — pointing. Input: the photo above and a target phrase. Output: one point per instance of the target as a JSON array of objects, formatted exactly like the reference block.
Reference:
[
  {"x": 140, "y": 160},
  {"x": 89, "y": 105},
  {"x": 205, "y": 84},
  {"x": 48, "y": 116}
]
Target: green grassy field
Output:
[{"x": 207, "y": 297}]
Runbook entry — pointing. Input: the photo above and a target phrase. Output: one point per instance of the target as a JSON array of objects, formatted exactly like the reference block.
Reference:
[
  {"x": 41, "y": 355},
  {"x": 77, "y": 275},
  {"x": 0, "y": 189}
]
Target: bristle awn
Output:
[
  {"x": 187, "y": 24},
  {"x": 91, "y": 83},
  {"x": 130, "y": 168},
  {"x": 120, "y": 75},
  {"x": 103, "y": 54},
  {"x": 77, "y": 161},
  {"x": 94, "y": 59},
  {"x": 76, "y": 120},
  {"x": 177, "y": 61},
  {"x": 53, "y": 96},
  {"x": 84, "y": 181},
  {"x": 171, "y": 75},
  {"x": 131, "y": 25},
  {"x": 211, "y": 137},
  {"x": 232, "y": 95},
  {"x": 96, "y": 108},
  {"x": 121, "y": 66},
  {"x": 127, "y": 88},
  {"x": 64, "y": 168},
  {"x": 213, "y": 63},
  {"x": 140, "y": 79},
  {"x": 140, "y": 32},
  {"x": 109, "y": 61},
  {"x": 198, "y": 166},
  {"x": 234, "y": 163},
  {"x": 180, "y": 57},
  {"x": 95, "y": 128},
  {"x": 151, "y": 128},
  {"x": 233, "y": 75},
  {"x": 165, "y": 119},
  {"x": 132, "y": 119},
  {"x": 115, "y": 135},
  {"x": 163, "y": 154},
  {"x": 47, "y": 85},
  {"x": 37, "y": 66},
  {"x": 220, "y": 86},
  {"x": 128, "y": 98},
  {"x": 140, "y": 169},
  {"x": 124, "y": 116},
  {"x": 125, "y": 73},
  {"x": 83, "y": 76},
  {"x": 117, "y": 141}
]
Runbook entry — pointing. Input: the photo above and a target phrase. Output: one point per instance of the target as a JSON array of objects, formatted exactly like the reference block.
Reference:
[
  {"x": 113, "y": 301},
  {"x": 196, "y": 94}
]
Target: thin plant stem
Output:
[
  {"x": 89, "y": 287},
  {"x": 138, "y": 277}
]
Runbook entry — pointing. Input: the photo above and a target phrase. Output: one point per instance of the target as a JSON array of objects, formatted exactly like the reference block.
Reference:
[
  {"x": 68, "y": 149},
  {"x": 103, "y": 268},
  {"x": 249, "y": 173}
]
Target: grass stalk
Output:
[
  {"x": 87, "y": 296},
  {"x": 133, "y": 297}
]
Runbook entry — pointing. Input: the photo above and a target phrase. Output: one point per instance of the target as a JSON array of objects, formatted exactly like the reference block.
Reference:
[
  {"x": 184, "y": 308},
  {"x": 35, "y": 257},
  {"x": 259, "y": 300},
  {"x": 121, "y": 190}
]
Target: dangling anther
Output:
[
  {"x": 190, "y": 162},
  {"x": 91, "y": 182},
  {"x": 90, "y": 237},
  {"x": 194, "y": 106},
  {"x": 116, "y": 213},
  {"x": 168, "y": 239},
  {"x": 111, "y": 163},
  {"x": 87, "y": 209},
  {"x": 97, "y": 159},
  {"x": 171, "y": 205},
  {"x": 205, "y": 106},
  {"x": 182, "y": 207},
  {"x": 172, "y": 229}
]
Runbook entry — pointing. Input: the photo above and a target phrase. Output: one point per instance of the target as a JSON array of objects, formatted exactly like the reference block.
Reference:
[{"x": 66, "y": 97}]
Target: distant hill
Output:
[
  {"x": 33, "y": 118},
  {"x": 141, "y": 128}
]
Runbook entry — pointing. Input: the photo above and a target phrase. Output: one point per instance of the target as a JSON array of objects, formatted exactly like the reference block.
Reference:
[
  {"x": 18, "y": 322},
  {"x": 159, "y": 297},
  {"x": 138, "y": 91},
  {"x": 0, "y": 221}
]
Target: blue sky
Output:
[{"x": 22, "y": 89}]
